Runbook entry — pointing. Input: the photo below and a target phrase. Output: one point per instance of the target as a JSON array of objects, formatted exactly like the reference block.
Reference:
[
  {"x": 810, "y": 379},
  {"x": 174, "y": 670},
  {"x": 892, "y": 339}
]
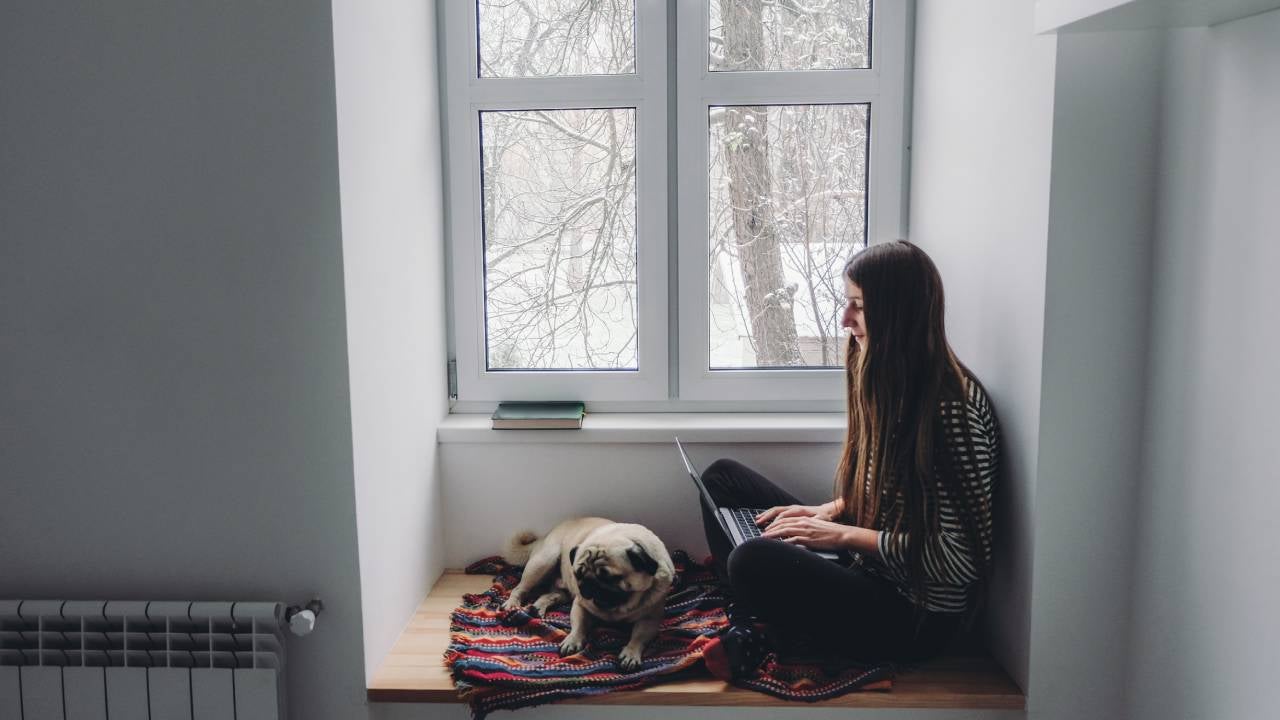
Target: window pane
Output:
[
  {"x": 788, "y": 207},
  {"x": 808, "y": 35},
  {"x": 559, "y": 194},
  {"x": 542, "y": 38}
]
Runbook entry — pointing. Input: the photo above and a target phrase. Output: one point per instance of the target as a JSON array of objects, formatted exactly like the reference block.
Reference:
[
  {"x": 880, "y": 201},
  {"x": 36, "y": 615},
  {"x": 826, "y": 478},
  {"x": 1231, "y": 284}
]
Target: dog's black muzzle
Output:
[{"x": 601, "y": 593}]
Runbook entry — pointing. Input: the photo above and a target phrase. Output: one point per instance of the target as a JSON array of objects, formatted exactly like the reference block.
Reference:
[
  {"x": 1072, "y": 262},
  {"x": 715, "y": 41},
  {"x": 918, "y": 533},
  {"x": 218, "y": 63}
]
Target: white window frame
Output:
[
  {"x": 467, "y": 96},
  {"x": 883, "y": 85}
]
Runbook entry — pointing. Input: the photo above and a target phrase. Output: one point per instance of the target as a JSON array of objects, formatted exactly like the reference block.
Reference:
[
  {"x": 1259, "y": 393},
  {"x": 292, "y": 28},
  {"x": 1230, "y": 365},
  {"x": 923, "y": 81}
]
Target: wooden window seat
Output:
[{"x": 414, "y": 672}]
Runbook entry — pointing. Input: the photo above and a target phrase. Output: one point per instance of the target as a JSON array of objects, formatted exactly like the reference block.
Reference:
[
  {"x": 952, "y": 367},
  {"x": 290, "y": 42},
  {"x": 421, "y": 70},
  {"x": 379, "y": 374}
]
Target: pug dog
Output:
[{"x": 617, "y": 572}]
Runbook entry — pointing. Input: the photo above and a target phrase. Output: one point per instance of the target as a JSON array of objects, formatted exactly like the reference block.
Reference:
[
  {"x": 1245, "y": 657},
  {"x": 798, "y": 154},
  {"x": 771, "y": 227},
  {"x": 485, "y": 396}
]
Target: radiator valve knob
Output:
[{"x": 303, "y": 620}]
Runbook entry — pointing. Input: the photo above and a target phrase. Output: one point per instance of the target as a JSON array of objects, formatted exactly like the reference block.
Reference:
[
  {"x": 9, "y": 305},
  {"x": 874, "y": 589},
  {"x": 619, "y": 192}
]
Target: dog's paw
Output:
[
  {"x": 572, "y": 645},
  {"x": 514, "y": 602},
  {"x": 630, "y": 658},
  {"x": 543, "y": 604}
]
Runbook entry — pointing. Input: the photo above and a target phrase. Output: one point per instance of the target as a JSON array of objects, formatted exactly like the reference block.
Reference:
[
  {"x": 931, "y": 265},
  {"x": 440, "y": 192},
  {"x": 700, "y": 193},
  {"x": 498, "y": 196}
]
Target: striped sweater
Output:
[{"x": 951, "y": 566}]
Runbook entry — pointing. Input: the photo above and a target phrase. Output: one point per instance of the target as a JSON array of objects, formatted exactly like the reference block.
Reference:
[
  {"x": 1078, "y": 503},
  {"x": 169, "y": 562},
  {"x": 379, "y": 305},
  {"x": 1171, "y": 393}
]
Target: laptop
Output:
[{"x": 739, "y": 524}]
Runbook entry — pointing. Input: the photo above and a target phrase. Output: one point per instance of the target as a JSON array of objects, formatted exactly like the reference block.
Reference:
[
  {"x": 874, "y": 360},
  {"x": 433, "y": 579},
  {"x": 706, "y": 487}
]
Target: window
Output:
[{"x": 788, "y": 144}]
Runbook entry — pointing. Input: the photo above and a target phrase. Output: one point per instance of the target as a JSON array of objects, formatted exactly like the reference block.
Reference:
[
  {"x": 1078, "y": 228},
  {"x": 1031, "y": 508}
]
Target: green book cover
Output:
[{"x": 511, "y": 415}]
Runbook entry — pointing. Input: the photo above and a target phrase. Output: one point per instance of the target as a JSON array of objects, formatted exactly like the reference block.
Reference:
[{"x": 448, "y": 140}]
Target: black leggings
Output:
[{"x": 806, "y": 598}]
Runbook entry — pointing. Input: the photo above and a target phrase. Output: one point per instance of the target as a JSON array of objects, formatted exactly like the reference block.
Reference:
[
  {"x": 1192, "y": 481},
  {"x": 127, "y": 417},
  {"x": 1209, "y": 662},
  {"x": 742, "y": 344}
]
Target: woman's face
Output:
[{"x": 852, "y": 317}]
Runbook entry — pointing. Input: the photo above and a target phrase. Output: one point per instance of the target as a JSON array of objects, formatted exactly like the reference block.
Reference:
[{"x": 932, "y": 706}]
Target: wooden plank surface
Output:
[{"x": 414, "y": 672}]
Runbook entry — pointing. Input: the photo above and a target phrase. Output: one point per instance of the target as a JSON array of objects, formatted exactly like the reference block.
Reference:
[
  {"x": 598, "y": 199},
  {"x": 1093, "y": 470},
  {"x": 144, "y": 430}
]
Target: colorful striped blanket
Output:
[{"x": 502, "y": 660}]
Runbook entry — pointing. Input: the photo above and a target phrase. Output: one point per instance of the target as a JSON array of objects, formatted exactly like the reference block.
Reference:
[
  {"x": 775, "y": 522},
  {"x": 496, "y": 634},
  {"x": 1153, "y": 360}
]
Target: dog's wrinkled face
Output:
[{"x": 612, "y": 570}]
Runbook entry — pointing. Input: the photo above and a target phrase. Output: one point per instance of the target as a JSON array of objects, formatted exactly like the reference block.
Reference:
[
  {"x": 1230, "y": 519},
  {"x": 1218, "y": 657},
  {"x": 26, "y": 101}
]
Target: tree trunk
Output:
[{"x": 746, "y": 153}]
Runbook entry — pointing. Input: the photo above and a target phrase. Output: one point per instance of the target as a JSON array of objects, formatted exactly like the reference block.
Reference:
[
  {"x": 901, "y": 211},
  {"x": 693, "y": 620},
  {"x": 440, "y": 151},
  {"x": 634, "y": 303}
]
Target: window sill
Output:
[
  {"x": 413, "y": 672},
  {"x": 658, "y": 428}
]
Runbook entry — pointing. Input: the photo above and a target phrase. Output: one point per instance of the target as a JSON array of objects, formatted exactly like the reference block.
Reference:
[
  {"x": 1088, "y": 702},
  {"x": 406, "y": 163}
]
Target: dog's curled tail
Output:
[{"x": 519, "y": 547}]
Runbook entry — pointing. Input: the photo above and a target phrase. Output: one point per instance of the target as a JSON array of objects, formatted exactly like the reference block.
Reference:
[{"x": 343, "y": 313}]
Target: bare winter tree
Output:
[
  {"x": 543, "y": 38},
  {"x": 560, "y": 244}
]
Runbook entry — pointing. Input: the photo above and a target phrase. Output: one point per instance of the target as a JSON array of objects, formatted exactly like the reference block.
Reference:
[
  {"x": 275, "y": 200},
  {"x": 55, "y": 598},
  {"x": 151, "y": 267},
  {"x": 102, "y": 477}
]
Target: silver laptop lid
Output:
[
  {"x": 688, "y": 464},
  {"x": 707, "y": 501}
]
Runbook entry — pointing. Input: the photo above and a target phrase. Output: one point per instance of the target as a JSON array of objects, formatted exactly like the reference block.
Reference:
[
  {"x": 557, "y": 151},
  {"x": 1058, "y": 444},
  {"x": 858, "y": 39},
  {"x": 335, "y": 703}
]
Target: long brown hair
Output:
[{"x": 894, "y": 461}]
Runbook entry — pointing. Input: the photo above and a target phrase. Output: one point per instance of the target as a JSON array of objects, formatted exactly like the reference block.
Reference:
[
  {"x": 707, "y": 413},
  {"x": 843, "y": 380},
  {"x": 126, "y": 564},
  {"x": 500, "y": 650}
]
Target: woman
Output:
[{"x": 912, "y": 506}]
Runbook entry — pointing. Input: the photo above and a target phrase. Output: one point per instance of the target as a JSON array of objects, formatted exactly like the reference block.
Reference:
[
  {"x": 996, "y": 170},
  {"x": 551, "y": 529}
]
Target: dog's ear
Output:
[
  {"x": 573, "y": 554},
  {"x": 641, "y": 560}
]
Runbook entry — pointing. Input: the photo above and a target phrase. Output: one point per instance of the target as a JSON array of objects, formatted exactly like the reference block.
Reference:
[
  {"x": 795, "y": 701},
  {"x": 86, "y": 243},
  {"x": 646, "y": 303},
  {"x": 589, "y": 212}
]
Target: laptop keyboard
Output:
[{"x": 745, "y": 520}]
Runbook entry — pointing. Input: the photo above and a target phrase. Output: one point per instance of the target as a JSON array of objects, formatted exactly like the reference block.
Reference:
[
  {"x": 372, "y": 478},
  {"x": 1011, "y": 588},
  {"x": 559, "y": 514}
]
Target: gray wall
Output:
[
  {"x": 1102, "y": 209},
  {"x": 389, "y": 148},
  {"x": 981, "y": 142},
  {"x": 174, "y": 418},
  {"x": 173, "y": 360},
  {"x": 1205, "y": 629}
]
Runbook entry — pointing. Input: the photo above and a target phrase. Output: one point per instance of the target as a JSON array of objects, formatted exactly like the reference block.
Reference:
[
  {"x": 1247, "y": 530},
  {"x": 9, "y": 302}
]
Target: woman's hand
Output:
[
  {"x": 812, "y": 532},
  {"x": 826, "y": 511}
]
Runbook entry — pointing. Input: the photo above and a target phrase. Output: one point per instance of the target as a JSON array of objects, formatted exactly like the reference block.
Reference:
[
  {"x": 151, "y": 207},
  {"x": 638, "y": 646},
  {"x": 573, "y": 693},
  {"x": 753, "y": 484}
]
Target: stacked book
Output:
[{"x": 538, "y": 416}]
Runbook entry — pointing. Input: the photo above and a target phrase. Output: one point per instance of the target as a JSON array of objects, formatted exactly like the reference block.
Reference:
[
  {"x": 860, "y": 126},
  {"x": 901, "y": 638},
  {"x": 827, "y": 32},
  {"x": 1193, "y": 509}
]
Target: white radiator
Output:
[{"x": 109, "y": 660}]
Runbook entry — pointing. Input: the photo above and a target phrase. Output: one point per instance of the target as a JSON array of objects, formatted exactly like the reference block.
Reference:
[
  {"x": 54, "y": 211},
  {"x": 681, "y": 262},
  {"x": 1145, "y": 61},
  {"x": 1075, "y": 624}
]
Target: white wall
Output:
[
  {"x": 494, "y": 489},
  {"x": 1204, "y": 626},
  {"x": 389, "y": 151},
  {"x": 981, "y": 140},
  {"x": 173, "y": 361},
  {"x": 1102, "y": 211}
]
